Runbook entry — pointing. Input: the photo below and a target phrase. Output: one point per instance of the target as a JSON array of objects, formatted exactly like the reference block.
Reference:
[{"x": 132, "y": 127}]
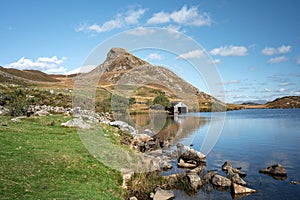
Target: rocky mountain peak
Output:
[
  {"x": 119, "y": 59},
  {"x": 116, "y": 52}
]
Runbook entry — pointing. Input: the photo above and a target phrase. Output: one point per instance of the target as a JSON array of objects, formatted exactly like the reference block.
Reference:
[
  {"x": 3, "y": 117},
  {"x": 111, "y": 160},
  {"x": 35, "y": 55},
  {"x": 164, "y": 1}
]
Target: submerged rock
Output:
[
  {"x": 276, "y": 170},
  {"x": 239, "y": 189}
]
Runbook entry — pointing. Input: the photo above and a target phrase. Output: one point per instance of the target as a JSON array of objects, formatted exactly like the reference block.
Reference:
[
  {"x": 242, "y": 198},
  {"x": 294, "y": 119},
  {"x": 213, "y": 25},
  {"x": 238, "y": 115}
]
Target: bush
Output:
[{"x": 161, "y": 99}]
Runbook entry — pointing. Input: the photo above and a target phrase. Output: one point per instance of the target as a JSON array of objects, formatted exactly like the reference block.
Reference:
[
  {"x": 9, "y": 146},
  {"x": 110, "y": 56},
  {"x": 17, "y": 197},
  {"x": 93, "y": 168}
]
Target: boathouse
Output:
[{"x": 179, "y": 107}]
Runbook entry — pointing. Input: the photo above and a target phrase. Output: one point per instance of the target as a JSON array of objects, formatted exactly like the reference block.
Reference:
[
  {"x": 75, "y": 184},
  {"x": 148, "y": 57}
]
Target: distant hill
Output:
[
  {"x": 251, "y": 102},
  {"x": 21, "y": 76},
  {"x": 285, "y": 102}
]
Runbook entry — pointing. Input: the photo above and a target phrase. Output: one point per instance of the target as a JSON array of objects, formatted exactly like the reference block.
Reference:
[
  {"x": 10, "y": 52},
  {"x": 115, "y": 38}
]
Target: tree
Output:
[{"x": 162, "y": 100}]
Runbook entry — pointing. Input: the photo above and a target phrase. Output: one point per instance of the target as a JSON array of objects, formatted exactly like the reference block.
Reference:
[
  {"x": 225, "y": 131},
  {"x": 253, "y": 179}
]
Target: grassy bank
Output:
[{"x": 42, "y": 160}]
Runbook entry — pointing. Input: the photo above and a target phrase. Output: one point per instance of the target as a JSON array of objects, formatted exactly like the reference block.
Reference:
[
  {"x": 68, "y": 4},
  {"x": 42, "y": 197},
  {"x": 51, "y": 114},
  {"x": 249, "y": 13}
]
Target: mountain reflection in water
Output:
[{"x": 171, "y": 128}]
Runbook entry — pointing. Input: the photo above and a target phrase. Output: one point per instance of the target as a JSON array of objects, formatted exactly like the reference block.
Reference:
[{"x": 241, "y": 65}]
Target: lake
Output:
[{"x": 251, "y": 139}]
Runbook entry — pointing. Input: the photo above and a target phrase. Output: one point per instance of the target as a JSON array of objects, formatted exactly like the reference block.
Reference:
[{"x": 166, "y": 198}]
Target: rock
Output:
[
  {"x": 194, "y": 181},
  {"x": 18, "y": 119},
  {"x": 183, "y": 164},
  {"x": 188, "y": 154},
  {"x": 149, "y": 132},
  {"x": 208, "y": 177},
  {"x": 221, "y": 181},
  {"x": 197, "y": 170},
  {"x": 142, "y": 137},
  {"x": 42, "y": 113},
  {"x": 226, "y": 166},
  {"x": 235, "y": 178},
  {"x": 124, "y": 127},
  {"x": 294, "y": 182},
  {"x": 133, "y": 198},
  {"x": 126, "y": 174},
  {"x": 276, "y": 170},
  {"x": 161, "y": 194},
  {"x": 77, "y": 123},
  {"x": 238, "y": 189}
]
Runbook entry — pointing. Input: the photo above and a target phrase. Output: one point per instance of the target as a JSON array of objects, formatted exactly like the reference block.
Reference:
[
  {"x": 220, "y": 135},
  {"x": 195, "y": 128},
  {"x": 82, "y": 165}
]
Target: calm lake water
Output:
[{"x": 252, "y": 140}]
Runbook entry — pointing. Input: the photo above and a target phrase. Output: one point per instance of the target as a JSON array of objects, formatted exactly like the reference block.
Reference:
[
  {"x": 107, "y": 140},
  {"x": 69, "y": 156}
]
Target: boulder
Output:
[
  {"x": 235, "y": 178},
  {"x": 197, "y": 170},
  {"x": 208, "y": 177},
  {"x": 77, "y": 123},
  {"x": 238, "y": 189},
  {"x": 161, "y": 194},
  {"x": 124, "y": 127},
  {"x": 221, "y": 181},
  {"x": 184, "y": 164},
  {"x": 194, "y": 181},
  {"x": 188, "y": 154},
  {"x": 228, "y": 167},
  {"x": 276, "y": 170}
]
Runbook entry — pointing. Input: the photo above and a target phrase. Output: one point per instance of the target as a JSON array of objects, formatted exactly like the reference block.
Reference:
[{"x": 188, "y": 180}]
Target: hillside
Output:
[
  {"x": 127, "y": 75},
  {"x": 285, "y": 102},
  {"x": 20, "y": 76}
]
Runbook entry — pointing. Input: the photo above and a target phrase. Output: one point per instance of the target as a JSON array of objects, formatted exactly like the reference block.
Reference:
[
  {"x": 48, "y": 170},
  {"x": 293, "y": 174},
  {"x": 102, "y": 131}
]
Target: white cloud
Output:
[
  {"x": 282, "y": 90},
  {"x": 297, "y": 93},
  {"x": 141, "y": 31},
  {"x": 184, "y": 16},
  {"x": 217, "y": 61},
  {"x": 198, "y": 53},
  {"x": 269, "y": 51},
  {"x": 230, "y": 51},
  {"x": 159, "y": 18},
  {"x": 267, "y": 90},
  {"x": 45, "y": 64},
  {"x": 285, "y": 84},
  {"x": 83, "y": 69},
  {"x": 231, "y": 82},
  {"x": 277, "y": 59},
  {"x": 154, "y": 56},
  {"x": 298, "y": 61},
  {"x": 131, "y": 17}
]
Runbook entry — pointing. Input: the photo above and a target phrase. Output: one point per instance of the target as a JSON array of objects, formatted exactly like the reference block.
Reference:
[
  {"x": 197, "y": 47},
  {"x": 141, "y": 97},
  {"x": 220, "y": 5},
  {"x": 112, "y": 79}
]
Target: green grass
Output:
[{"x": 39, "y": 159}]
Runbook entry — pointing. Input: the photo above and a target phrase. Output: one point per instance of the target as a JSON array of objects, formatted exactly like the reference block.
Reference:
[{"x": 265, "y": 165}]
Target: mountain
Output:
[
  {"x": 251, "y": 102},
  {"x": 285, "y": 102},
  {"x": 20, "y": 77},
  {"x": 124, "y": 74}
]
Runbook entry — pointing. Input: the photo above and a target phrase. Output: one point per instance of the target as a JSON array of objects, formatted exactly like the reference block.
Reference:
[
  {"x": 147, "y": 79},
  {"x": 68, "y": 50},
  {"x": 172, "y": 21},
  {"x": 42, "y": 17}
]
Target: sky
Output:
[{"x": 255, "y": 45}]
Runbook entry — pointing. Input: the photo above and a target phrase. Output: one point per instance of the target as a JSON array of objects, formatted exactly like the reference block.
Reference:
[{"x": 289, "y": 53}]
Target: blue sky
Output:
[{"x": 254, "y": 44}]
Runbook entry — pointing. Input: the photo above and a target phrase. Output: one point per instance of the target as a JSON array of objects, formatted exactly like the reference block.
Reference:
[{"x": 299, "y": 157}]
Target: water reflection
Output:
[{"x": 174, "y": 129}]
